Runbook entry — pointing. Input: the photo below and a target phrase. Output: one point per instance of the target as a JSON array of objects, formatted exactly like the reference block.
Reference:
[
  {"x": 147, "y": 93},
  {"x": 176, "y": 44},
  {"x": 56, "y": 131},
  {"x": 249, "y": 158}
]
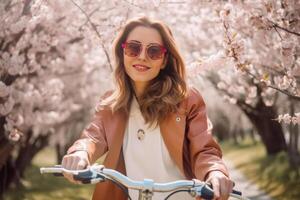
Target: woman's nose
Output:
[{"x": 142, "y": 55}]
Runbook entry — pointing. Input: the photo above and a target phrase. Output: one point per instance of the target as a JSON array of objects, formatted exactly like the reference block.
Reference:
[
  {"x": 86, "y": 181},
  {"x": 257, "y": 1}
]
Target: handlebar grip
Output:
[
  {"x": 85, "y": 176},
  {"x": 88, "y": 176},
  {"x": 58, "y": 174},
  {"x": 56, "y": 170},
  {"x": 237, "y": 192},
  {"x": 207, "y": 193},
  {"x": 233, "y": 190}
]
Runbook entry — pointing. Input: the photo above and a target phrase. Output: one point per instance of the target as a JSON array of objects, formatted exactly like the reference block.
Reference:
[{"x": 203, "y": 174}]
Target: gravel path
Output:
[{"x": 247, "y": 188}]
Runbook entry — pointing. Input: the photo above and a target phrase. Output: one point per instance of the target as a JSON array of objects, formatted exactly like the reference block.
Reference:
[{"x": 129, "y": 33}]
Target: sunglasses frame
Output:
[{"x": 164, "y": 50}]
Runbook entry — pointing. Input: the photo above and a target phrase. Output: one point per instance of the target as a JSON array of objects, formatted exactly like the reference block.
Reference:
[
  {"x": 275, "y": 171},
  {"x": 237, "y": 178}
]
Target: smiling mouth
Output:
[{"x": 141, "y": 68}]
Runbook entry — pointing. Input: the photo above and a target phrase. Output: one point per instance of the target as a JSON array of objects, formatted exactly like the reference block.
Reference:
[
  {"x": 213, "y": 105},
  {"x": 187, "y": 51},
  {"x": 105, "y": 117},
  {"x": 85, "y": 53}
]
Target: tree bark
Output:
[
  {"x": 60, "y": 152},
  {"x": 270, "y": 131},
  {"x": 294, "y": 156},
  {"x": 13, "y": 168},
  {"x": 5, "y": 176},
  {"x": 262, "y": 118}
]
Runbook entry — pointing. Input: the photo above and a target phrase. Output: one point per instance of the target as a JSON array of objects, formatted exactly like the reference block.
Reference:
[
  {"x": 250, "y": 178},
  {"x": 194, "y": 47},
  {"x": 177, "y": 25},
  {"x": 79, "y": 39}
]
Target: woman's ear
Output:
[{"x": 165, "y": 62}]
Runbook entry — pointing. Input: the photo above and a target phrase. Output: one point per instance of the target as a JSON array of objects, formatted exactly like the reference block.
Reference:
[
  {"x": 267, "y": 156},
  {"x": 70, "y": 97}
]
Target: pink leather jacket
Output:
[{"x": 186, "y": 133}]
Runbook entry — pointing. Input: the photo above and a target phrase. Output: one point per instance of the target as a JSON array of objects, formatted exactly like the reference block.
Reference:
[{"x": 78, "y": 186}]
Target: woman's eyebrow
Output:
[
  {"x": 141, "y": 42},
  {"x": 153, "y": 43},
  {"x": 135, "y": 41}
]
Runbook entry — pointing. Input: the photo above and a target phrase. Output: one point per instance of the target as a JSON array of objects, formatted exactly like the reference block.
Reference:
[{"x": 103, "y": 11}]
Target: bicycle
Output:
[{"x": 98, "y": 173}]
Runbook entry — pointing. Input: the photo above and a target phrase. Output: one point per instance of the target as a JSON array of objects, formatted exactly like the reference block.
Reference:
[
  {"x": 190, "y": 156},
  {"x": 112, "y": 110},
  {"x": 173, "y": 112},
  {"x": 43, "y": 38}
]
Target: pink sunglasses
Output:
[{"x": 134, "y": 49}]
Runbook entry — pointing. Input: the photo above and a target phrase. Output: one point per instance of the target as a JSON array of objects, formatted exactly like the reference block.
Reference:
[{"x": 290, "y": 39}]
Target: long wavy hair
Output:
[{"x": 165, "y": 92}]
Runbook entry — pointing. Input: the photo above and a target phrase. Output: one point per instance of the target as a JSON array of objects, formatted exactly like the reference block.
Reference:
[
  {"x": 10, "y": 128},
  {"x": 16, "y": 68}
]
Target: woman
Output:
[{"x": 152, "y": 125}]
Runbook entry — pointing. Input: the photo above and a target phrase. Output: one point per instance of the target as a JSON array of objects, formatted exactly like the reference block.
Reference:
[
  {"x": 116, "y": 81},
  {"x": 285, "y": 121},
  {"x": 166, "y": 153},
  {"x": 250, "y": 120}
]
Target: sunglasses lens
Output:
[
  {"x": 155, "y": 52},
  {"x": 133, "y": 49}
]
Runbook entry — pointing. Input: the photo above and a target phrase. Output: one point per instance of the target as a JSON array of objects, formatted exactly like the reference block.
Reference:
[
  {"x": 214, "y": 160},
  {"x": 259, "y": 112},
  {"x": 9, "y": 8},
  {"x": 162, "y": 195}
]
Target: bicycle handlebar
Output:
[{"x": 98, "y": 173}]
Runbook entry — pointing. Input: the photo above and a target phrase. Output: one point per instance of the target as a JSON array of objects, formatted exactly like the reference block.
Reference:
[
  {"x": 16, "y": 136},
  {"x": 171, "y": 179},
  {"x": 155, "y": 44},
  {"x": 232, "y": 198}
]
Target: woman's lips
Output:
[{"x": 141, "y": 68}]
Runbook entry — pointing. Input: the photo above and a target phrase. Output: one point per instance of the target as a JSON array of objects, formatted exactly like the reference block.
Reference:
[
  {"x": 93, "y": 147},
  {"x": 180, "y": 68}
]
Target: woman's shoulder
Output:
[
  {"x": 194, "y": 96},
  {"x": 104, "y": 102},
  {"x": 193, "y": 100}
]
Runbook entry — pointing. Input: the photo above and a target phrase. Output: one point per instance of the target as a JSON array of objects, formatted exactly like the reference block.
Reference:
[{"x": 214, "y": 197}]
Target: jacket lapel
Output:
[
  {"x": 117, "y": 127},
  {"x": 172, "y": 129}
]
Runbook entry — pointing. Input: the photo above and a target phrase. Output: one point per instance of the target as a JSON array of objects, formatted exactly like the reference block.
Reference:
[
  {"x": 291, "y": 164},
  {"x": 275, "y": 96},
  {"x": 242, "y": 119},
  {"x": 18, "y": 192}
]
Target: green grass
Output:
[
  {"x": 46, "y": 186},
  {"x": 271, "y": 173}
]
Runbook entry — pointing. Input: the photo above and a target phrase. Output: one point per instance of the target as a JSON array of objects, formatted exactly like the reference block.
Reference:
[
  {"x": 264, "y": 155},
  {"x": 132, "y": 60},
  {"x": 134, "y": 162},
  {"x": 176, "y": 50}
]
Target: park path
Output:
[{"x": 249, "y": 190}]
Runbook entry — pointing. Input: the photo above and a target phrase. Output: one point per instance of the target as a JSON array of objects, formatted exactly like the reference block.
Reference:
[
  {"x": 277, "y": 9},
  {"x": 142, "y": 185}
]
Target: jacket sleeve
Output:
[
  {"x": 205, "y": 152},
  {"x": 92, "y": 139}
]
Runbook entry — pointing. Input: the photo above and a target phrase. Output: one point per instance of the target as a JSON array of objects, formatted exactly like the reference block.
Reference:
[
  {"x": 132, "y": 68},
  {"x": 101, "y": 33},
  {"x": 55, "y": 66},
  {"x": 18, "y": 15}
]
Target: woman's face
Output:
[{"x": 142, "y": 68}]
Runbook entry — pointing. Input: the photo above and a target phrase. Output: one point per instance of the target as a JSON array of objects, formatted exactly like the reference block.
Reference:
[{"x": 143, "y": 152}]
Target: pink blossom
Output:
[
  {"x": 15, "y": 135},
  {"x": 221, "y": 85},
  {"x": 286, "y": 118},
  {"x": 252, "y": 92},
  {"x": 233, "y": 100},
  {"x": 296, "y": 119}
]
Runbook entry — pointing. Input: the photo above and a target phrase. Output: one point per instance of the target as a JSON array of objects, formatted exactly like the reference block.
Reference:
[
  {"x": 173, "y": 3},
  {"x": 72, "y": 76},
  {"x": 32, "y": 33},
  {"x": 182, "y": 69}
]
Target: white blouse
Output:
[{"x": 147, "y": 157}]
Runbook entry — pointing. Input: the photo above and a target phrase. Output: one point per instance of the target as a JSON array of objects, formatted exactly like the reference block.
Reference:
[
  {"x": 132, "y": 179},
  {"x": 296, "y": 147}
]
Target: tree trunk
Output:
[
  {"x": 262, "y": 118},
  {"x": 252, "y": 135},
  {"x": 6, "y": 176},
  {"x": 60, "y": 151},
  {"x": 13, "y": 169},
  {"x": 270, "y": 131},
  {"x": 5, "y": 147},
  {"x": 294, "y": 157},
  {"x": 235, "y": 139}
]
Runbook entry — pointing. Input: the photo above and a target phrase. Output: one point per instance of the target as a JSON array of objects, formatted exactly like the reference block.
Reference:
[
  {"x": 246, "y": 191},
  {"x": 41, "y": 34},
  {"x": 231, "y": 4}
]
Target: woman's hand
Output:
[
  {"x": 75, "y": 161},
  {"x": 221, "y": 184}
]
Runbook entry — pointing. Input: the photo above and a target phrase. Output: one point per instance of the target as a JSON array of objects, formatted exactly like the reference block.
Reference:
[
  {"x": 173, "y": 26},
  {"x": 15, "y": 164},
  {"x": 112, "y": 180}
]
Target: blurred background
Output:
[{"x": 55, "y": 63}]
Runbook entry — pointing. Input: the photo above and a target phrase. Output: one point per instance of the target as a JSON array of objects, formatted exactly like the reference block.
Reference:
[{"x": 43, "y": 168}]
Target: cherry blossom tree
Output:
[
  {"x": 255, "y": 63},
  {"x": 51, "y": 74},
  {"x": 267, "y": 51},
  {"x": 55, "y": 63}
]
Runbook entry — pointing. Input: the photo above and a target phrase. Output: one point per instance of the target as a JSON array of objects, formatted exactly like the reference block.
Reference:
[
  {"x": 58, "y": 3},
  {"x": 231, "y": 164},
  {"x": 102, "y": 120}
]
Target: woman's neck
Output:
[{"x": 139, "y": 89}]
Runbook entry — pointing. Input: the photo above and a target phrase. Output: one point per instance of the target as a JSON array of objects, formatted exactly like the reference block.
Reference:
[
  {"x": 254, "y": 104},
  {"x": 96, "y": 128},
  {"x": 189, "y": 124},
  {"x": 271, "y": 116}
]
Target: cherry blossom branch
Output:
[
  {"x": 275, "y": 25},
  {"x": 273, "y": 87},
  {"x": 242, "y": 66},
  {"x": 94, "y": 11},
  {"x": 135, "y": 5},
  {"x": 97, "y": 33},
  {"x": 278, "y": 33},
  {"x": 241, "y": 103},
  {"x": 273, "y": 70}
]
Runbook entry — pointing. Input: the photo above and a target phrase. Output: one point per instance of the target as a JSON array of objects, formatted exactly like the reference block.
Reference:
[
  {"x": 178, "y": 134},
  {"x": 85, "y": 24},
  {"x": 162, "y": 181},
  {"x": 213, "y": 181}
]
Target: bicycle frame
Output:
[{"x": 146, "y": 188}]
